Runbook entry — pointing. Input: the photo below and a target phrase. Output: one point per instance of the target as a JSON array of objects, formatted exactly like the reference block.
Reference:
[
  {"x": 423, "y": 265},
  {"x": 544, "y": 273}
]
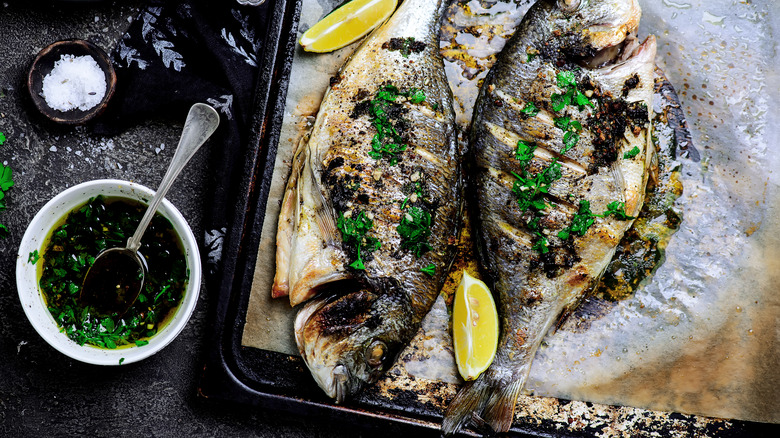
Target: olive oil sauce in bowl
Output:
[{"x": 60, "y": 243}]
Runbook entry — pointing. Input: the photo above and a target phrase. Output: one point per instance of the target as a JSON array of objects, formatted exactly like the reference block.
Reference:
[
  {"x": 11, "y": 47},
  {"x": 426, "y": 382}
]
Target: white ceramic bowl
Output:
[{"x": 31, "y": 296}]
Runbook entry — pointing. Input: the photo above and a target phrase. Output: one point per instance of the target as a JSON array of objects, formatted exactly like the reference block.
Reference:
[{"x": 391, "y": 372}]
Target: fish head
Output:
[
  {"x": 349, "y": 339},
  {"x": 588, "y": 27}
]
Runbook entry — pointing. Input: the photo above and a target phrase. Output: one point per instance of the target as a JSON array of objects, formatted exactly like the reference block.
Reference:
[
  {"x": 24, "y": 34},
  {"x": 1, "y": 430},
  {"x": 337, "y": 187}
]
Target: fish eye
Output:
[
  {"x": 570, "y": 6},
  {"x": 375, "y": 354}
]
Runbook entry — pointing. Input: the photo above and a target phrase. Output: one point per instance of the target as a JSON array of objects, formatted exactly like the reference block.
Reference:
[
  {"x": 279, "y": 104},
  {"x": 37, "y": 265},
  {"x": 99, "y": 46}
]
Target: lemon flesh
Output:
[
  {"x": 347, "y": 24},
  {"x": 474, "y": 327}
]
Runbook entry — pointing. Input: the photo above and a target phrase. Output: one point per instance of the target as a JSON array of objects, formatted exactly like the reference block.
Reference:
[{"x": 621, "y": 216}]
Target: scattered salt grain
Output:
[{"x": 75, "y": 82}]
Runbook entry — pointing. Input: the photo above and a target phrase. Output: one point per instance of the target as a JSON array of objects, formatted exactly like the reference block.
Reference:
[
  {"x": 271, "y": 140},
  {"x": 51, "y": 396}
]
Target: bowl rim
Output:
[
  {"x": 76, "y": 116},
  {"x": 31, "y": 297}
]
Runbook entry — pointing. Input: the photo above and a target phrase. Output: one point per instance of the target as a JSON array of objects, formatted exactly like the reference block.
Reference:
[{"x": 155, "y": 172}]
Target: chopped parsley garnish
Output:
[
  {"x": 430, "y": 269},
  {"x": 6, "y": 182},
  {"x": 571, "y": 95},
  {"x": 530, "y": 189},
  {"x": 541, "y": 244},
  {"x": 2, "y": 138},
  {"x": 572, "y": 129},
  {"x": 33, "y": 257},
  {"x": 617, "y": 209},
  {"x": 6, "y": 178},
  {"x": 580, "y": 223},
  {"x": 632, "y": 153},
  {"x": 524, "y": 153},
  {"x": 388, "y": 142},
  {"x": 584, "y": 218},
  {"x": 353, "y": 232},
  {"x": 530, "y": 110},
  {"x": 416, "y": 96},
  {"x": 415, "y": 229}
]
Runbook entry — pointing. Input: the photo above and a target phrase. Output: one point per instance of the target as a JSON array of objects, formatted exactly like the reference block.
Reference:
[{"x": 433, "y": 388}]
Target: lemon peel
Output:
[{"x": 346, "y": 24}]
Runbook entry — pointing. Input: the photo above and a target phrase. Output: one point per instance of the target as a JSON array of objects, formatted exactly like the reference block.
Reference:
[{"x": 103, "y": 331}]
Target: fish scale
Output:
[{"x": 536, "y": 283}]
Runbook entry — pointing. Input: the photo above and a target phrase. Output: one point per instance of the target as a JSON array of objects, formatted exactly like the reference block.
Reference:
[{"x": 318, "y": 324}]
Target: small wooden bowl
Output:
[{"x": 44, "y": 64}]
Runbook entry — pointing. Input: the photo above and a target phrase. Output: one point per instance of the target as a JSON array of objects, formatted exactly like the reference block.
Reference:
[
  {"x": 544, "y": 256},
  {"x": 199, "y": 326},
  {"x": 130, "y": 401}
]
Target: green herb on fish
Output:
[
  {"x": 415, "y": 229},
  {"x": 524, "y": 153},
  {"x": 584, "y": 218},
  {"x": 530, "y": 110},
  {"x": 632, "y": 153},
  {"x": 430, "y": 269},
  {"x": 572, "y": 129},
  {"x": 353, "y": 232},
  {"x": 530, "y": 190},
  {"x": 571, "y": 95},
  {"x": 580, "y": 223},
  {"x": 385, "y": 113},
  {"x": 617, "y": 209}
]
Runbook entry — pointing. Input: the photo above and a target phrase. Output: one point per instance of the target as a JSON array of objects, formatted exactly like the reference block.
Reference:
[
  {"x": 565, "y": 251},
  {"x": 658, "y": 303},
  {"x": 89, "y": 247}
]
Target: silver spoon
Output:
[{"x": 115, "y": 279}]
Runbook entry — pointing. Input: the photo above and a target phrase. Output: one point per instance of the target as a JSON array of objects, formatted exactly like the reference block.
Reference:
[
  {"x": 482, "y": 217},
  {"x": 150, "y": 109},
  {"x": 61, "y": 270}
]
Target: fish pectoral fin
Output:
[
  {"x": 314, "y": 256},
  {"x": 325, "y": 215},
  {"x": 287, "y": 223}
]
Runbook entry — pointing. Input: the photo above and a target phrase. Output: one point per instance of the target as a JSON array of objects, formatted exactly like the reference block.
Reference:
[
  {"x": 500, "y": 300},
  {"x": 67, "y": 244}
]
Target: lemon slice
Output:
[
  {"x": 347, "y": 24},
  {"x": 474, "y": 327}
]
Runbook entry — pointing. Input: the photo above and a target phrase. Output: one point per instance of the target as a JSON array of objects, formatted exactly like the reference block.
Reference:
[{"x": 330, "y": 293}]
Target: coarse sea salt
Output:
[{"x": 74, "y": 82}]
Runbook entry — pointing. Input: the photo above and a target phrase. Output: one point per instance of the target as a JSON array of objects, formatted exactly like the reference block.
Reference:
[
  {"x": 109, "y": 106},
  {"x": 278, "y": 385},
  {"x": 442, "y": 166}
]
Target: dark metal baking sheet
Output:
[{"x": 275, "y": 381}]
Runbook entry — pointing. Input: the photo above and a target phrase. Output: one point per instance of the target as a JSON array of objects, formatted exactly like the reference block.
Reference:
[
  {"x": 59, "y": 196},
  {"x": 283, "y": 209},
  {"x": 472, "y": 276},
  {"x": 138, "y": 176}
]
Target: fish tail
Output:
[
  {"x": 500, "y": 410},
  {"x": 470, "y": 400},
  {"x": 485, "y": 401}
]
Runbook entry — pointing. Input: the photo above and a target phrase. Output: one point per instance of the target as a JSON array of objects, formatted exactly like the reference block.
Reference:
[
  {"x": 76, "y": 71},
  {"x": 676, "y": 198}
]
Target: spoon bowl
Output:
[{"x": 114, "y": 281}]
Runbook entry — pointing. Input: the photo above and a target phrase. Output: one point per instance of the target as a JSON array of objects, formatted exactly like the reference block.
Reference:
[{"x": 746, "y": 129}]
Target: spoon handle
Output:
[{"x": 202, "y": 121}]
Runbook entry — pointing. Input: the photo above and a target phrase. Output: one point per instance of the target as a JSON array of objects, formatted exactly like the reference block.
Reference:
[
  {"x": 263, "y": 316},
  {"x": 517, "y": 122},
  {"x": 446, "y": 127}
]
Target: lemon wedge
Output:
[
  {"x": 347, "y": 24},
  {"x": 474, "y": 327}
]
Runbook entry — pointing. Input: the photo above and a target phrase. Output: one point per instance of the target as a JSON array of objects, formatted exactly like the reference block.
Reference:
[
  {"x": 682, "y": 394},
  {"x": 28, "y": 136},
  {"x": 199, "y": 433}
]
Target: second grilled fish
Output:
[
  {"x": 561, "y": 147},
  {"x": 371, "y": 211}
]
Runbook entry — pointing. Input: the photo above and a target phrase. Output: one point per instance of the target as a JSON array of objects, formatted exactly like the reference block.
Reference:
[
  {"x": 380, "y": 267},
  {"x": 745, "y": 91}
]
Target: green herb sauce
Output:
[{"x": 71, "y": 249}]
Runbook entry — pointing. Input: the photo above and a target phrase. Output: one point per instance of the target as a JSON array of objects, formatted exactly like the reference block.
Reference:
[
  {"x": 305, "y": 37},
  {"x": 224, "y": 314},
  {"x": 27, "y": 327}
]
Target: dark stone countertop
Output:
[{"x": 42, "y": 392}]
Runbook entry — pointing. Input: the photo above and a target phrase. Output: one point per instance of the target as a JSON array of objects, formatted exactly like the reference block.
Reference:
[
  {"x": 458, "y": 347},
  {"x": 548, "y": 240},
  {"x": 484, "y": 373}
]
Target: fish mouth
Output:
[
  {"x": 612, "y": 55},
  {"x": 325, "y": 333},
  {"x": 610, "y": 38},
  {"x": 340, "y": 384}
]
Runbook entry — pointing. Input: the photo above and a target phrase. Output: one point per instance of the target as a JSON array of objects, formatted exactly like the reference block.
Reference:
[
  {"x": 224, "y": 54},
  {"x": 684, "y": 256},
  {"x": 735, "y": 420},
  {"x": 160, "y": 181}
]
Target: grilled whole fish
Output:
[
  {"x": 371, "y": 211},
  {"x": 554, "y": 190}
]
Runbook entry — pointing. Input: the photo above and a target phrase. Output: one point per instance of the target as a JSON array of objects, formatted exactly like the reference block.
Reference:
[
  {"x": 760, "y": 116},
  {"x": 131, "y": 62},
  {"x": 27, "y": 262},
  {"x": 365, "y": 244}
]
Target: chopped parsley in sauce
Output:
[{"x": 71, "y": 249}]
